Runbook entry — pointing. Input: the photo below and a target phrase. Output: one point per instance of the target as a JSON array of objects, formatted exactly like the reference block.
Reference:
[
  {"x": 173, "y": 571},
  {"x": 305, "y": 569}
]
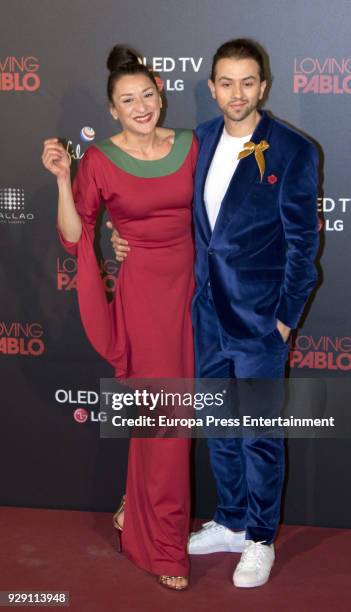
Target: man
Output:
[{"x": 256, "y": 235}]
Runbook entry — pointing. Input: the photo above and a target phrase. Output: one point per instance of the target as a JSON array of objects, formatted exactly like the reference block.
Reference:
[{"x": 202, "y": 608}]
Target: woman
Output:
[{"x": 144, "y": 176}]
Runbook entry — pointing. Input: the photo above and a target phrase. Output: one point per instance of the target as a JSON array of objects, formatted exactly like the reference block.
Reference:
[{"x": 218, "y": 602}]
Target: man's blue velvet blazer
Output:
[{"x": 259, "y": 259}]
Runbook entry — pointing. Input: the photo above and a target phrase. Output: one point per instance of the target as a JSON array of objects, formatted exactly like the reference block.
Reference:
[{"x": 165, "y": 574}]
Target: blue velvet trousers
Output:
[{"x": 248, "y": 470}]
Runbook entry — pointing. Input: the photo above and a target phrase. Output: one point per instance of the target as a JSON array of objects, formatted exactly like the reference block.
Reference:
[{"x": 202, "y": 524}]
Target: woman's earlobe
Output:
[{"x": 113, "y": 112}]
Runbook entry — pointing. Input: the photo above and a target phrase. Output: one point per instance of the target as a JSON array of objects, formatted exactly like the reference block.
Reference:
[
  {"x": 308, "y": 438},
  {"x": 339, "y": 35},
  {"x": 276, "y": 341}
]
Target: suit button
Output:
[
  {"x": 210, "y": 252},
  {"x": 208, "y": 284}
]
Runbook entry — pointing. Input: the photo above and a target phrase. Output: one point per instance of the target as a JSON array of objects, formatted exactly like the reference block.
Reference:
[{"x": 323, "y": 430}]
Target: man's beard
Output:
[{"x": 247, "y": 110}]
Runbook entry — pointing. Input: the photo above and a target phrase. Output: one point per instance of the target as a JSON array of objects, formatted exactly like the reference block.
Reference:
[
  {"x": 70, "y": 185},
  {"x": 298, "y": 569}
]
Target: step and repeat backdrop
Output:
[{"x": 53, "y": 83}]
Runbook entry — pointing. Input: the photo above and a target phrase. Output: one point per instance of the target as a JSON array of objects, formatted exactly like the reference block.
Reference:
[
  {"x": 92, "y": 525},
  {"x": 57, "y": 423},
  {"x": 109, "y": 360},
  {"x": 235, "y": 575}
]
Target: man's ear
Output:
[
  {"x": 211, "y": 87},
  {"x": 262, "y": 88}
]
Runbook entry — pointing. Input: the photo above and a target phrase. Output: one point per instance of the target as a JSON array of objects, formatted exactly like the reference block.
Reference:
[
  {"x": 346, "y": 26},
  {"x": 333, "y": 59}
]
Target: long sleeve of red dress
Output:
[{"x": 97, "y": 315}]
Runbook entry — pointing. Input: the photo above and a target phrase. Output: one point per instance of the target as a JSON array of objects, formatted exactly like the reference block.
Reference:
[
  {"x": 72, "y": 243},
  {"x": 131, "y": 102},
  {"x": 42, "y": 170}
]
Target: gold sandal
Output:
[
  {"x": 117, "y": 525},
  {"x": 163, "y": 580},
  {"x": 117, "y": 514}
]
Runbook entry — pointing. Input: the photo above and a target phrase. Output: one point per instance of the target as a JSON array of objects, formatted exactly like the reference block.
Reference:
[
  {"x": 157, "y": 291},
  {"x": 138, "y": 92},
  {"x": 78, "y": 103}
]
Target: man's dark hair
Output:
[{"x": 240, "y": 48}]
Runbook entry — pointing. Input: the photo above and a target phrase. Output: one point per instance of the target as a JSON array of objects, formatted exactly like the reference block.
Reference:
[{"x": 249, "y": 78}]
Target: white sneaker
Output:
[
  {"x": 255, "y": 565},
  {"x": 213, "y": 537}
]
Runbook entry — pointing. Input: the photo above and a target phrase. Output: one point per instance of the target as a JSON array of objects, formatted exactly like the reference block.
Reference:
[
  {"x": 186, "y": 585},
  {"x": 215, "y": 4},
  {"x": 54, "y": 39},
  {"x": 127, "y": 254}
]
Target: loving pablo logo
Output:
[
  {"x": 19, "y": 73},
  {"x": 330, "y": 75},
  {"x": 21, "y": 338},
  {"x": 66, "y": 270},
  {"x": 321, "y": 353}
]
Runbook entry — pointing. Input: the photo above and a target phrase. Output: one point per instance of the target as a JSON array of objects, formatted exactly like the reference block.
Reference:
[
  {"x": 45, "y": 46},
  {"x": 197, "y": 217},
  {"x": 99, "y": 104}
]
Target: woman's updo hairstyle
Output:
[{"x": 121, "y": 61}]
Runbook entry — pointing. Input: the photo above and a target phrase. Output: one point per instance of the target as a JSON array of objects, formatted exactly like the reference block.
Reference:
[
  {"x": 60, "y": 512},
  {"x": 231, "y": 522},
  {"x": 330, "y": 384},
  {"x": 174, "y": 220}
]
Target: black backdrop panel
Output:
[{"x": 52, "y": 83}]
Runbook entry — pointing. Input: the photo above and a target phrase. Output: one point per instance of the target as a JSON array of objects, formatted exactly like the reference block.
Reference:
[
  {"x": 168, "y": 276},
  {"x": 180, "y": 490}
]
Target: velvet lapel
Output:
[
  {"x": 206, "y": 153},
  {"x": 244, "y": 177}
]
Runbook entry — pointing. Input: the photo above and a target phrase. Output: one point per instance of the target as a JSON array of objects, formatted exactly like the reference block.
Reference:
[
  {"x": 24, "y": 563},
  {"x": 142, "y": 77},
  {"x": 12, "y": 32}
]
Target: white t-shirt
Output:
[{"x": 222, "y": 168}]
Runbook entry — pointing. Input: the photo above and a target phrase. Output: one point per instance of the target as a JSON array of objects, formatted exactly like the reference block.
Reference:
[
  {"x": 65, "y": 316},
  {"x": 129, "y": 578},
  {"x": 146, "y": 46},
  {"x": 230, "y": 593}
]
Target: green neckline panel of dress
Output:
[{"x": 144, "y": 168}]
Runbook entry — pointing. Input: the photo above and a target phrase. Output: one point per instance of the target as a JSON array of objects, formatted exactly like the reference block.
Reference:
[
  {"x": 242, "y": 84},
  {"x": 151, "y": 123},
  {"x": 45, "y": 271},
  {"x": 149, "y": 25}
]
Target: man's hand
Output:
[
  {"x": 284, "y": 330},
  {"x": 119, "y": 245}
]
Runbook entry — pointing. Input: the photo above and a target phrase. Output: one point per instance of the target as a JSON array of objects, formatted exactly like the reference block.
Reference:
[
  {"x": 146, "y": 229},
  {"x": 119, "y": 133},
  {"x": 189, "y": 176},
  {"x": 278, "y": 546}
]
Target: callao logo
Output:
[
  {"x": 322, "y": 353},
  {"x": 21, "y": 338},
  {"x": 19, "y": 74},
  {"x": 67, "y": 273},
  {"x": 12, "y": 206},
  {"x": 329, "y": 75},
  {"x": 89, "y": 398}
]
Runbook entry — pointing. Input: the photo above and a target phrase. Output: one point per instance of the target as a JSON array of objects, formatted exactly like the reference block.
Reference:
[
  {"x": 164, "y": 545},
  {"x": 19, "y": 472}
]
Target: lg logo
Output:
[{"x": 81, "y": 415}]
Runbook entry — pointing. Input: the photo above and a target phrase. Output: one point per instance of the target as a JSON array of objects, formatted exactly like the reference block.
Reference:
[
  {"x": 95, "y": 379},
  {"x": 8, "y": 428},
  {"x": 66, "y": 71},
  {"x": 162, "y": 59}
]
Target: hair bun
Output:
[
  {"x": 123, "y": 61},
  {"x": 121, "y": 56}
]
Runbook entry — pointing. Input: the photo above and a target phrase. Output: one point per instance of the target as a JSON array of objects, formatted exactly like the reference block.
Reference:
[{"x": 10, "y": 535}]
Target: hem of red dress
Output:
[
  {"x": 120, "y": 375},
  {"x": 160, "y": 569}
]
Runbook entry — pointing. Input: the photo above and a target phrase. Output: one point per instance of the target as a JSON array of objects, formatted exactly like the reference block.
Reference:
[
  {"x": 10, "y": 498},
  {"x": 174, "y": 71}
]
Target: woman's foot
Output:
[
  {"x": 176, "y": 583},
  {"x": 118, "y": 517}
]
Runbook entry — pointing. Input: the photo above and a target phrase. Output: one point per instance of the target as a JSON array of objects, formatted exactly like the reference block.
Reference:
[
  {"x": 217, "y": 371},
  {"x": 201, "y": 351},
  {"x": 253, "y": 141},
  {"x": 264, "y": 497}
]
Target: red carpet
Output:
[{"x": 75, "y": 552}]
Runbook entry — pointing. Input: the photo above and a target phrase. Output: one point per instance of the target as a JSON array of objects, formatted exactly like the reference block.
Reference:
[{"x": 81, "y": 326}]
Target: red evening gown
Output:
[{"x": 146, "y": 331}]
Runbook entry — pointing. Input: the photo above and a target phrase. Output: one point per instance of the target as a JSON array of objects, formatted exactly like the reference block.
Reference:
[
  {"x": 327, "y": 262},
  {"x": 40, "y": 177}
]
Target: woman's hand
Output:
[
  {"x": 56, "y": 159},
  {"x": 119, "y": 245}
]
